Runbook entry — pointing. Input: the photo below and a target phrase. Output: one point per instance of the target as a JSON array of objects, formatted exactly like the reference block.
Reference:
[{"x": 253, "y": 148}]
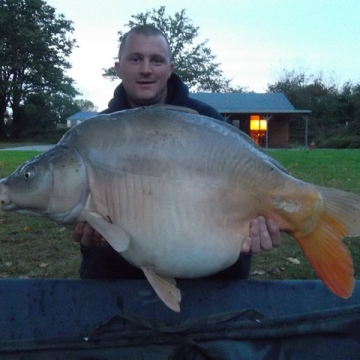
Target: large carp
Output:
[{"x": 174, "y": 193}]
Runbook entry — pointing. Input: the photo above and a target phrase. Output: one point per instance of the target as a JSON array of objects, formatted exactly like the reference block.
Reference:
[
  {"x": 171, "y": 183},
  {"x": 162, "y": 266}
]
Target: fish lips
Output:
[
  {"x": 8, "y": 207},
  {"x": 60, "y": 218},
  {"x": 12, "y": 207}
]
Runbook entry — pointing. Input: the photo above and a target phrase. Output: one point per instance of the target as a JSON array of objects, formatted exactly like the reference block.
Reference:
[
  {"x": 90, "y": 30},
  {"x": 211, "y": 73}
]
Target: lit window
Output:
[{"x": 256, "y": 123}]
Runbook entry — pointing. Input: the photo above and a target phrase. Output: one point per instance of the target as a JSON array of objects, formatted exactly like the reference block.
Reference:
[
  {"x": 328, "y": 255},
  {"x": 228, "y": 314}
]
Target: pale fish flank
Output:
[{"x": 174, "y": 193}]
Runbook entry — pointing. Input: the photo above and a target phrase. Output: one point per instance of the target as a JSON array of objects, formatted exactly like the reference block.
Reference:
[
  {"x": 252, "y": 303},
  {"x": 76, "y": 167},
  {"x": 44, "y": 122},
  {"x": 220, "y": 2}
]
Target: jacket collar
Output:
[{"x": 178, "y": 93}]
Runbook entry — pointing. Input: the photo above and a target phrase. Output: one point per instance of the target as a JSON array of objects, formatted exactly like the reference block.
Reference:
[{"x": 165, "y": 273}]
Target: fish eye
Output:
[{"x": 29, "y": 173}]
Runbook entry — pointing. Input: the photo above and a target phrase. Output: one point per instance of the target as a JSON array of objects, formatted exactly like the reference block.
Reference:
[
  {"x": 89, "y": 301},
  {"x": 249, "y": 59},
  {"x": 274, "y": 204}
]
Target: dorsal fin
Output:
[{"x": 175, "y": 108}]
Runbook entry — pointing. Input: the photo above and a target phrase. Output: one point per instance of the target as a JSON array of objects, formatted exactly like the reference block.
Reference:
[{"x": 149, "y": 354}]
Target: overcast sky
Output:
[{"x": 253, "y": 40}]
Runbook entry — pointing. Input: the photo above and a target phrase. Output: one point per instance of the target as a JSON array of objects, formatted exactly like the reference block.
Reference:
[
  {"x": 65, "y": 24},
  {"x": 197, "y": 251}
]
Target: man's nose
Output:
[{"x": 146, "y": 67}]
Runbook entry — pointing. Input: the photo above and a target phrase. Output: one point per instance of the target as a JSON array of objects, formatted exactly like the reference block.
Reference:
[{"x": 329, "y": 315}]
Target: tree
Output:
[
  {"x": 33, "y": 57},
  {"x": 54, "y": 109},
  {"x": 85, "y": 105},
  {"x": 194, "y": 62},
  {"x": 335, "y": 117},
  {"x": 302, "y": 90},
  {"x": 349, "y": 107}
]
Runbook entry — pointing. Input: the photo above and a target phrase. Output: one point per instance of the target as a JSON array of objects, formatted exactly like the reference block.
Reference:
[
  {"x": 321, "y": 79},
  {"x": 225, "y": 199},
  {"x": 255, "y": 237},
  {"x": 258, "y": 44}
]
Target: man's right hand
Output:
[{"x": 87, "y": 236}]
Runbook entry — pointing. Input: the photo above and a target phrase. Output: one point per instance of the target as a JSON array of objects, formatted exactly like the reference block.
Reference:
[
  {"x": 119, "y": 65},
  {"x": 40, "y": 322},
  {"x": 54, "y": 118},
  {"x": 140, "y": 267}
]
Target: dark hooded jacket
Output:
[
  {"x": 178, "y": 94},
  {"x": 105, "y": 262}
]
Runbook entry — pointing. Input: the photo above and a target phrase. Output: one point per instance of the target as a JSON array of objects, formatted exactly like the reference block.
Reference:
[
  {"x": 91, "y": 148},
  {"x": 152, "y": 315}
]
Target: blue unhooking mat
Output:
[{"x": 93, "y": 320}]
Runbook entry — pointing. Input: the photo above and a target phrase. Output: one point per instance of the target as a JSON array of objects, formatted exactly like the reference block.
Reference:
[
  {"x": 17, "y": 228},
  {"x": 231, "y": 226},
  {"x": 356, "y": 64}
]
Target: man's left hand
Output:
[{"x": 264, "y": 235}]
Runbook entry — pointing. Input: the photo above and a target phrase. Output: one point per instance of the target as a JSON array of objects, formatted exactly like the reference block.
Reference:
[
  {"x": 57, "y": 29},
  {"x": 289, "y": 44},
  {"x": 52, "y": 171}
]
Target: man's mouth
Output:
[{"x": 146, "y": 82}]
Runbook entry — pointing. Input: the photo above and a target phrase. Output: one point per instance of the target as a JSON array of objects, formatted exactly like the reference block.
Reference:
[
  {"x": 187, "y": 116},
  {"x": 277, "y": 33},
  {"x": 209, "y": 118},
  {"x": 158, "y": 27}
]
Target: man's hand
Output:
[
  {"x": 87, "y": 236},
  {"x": 264, "y": 235}
]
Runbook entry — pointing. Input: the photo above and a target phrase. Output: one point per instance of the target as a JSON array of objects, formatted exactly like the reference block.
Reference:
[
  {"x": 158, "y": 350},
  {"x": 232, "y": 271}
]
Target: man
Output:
[{"x": 146, "y": 71}]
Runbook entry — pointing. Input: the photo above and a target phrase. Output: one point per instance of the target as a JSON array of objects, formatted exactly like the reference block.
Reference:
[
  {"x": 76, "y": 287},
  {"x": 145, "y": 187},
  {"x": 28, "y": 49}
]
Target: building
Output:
[
  {"x": 264, "y": 117},
  {"x": 79, "y": 117}
]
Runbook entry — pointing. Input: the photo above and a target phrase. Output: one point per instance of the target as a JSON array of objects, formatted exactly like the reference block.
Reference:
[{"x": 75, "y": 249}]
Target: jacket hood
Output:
[{"x": 178, "y": 93}]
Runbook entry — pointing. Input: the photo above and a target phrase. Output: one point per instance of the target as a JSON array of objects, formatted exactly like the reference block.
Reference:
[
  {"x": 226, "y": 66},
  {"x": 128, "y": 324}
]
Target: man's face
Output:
[{"x": 144, "y": 68}]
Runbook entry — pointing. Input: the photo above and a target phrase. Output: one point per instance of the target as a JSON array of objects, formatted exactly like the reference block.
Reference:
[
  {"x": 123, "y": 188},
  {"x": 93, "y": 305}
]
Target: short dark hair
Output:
[{"x": 147, "y": 30}]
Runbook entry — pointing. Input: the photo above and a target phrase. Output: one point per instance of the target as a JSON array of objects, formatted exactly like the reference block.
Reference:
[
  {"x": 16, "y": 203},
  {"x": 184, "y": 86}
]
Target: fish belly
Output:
[{"x": 180, "y": 228}]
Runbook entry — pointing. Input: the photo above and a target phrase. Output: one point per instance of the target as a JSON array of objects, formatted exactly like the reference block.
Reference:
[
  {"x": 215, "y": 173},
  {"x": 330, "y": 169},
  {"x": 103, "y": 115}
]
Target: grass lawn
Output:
[
  {"x": 36, "y": 247},
  {"x": 30, "y": 246}
]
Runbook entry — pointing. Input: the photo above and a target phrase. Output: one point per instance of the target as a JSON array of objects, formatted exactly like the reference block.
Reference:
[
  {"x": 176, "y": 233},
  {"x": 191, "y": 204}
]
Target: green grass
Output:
[
  {"x": 10, "y": 160},
  {"x": 36, "y": 247},
  {"x": 30, "y": 246},
  {"x": 333, "y": 168}
]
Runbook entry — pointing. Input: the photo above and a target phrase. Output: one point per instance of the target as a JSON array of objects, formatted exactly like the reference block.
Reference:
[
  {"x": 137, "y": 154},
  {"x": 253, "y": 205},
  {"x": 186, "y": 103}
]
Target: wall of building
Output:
[
  {"x": 279, "y": 131},
  {"x": 278, "y": 128}
]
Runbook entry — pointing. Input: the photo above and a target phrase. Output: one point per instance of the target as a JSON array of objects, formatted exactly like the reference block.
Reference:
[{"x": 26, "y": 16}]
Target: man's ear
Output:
[
  {"x": 172, "y": 67},
  {"x": 117, "y": 69}
]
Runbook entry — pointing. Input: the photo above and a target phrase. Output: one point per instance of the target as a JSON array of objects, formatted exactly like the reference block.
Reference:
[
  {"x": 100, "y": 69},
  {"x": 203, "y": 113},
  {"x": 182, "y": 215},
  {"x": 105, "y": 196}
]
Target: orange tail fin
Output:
[
  {"x": 329, "y": 256},
  {"x": 323, "y": 246}
]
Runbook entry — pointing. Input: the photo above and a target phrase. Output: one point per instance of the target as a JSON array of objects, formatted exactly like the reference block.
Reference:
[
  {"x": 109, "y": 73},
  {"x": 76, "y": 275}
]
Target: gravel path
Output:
[{"x": 31, "y": 147}]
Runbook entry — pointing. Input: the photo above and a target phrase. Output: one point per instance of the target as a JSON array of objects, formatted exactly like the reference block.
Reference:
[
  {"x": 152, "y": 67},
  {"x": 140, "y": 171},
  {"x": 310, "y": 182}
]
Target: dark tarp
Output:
[{"x": 69, "y": 319}]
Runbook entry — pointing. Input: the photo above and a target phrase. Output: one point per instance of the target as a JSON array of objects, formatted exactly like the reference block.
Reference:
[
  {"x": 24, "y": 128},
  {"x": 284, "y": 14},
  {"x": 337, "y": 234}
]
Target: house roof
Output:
[
  {"x": 248, "y": 102},
  {"x": 82, "y": 115}
]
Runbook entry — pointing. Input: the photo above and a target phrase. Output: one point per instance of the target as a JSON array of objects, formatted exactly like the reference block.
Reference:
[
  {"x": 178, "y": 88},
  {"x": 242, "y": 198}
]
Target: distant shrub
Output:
[
  {"x": 43, "y": 136},
  {"x": 340, "y": 142}
]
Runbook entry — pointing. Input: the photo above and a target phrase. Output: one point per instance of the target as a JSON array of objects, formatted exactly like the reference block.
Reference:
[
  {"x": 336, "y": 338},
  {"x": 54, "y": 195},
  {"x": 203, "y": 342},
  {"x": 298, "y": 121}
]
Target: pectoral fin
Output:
[
  {"x": 165, "y": 288},
  {"x": 114, "y": 234}
]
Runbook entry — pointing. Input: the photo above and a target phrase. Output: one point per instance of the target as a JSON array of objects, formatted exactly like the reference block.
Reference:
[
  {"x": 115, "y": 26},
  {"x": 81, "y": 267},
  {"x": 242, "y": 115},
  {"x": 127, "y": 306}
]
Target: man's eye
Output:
[
  {"x": 135, "y": 59},
  {"x": 158, "y": 61}
]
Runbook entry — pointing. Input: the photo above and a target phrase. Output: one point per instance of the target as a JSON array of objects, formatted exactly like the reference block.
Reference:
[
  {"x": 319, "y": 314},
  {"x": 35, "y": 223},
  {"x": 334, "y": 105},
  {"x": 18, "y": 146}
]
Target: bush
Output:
[
  {"x": 49, "y": 136},
  {"x": 340, "y": 142}
]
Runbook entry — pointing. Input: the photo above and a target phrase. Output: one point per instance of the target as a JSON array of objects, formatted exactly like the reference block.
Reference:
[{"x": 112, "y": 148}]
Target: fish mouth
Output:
[{"x": 10, "y": 206}]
